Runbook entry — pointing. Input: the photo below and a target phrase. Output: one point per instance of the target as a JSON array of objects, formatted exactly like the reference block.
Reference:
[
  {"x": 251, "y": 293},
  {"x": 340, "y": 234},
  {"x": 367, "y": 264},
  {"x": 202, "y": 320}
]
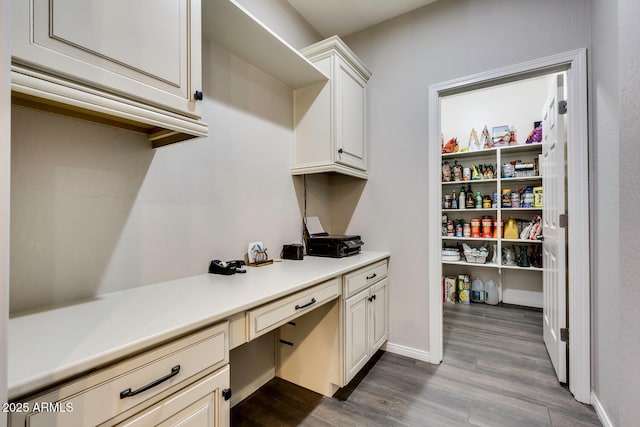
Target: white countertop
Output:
[{"x": 49, "y": 346}]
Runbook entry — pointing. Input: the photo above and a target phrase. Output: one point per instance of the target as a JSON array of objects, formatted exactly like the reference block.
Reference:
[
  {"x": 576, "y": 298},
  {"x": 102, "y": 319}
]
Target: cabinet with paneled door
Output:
[
  {"x": 186, "y": 379},
  {"x": 135, "y": 63},
  {"x": 508, "y": 196},
  {"x": 330, "y": 118}
]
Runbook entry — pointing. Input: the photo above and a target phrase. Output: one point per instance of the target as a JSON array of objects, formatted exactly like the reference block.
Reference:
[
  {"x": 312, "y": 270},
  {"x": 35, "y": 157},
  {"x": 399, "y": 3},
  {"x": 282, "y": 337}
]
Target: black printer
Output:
[{"x": 333, "y": 246}]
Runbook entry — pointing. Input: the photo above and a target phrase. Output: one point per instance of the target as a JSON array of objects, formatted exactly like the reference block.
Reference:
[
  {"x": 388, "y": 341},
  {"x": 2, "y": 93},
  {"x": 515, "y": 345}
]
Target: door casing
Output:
[{"x": 579, "y": 314}]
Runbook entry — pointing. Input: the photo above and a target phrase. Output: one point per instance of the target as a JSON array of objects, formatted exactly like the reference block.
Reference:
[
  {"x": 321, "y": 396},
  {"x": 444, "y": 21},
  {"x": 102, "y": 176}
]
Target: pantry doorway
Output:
[{"x": 573, "y": 65}]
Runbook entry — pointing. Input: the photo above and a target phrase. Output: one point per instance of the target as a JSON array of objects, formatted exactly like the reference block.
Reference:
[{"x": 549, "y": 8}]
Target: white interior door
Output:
[{"x": 554, "y": 247}]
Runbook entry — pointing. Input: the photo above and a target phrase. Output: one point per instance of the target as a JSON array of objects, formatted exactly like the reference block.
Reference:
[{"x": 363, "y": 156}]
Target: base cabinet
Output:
[
  {"x": 203, "y": 404},
  {"x": 187, "y": 378},
  {"x": 366, "y": 326}
]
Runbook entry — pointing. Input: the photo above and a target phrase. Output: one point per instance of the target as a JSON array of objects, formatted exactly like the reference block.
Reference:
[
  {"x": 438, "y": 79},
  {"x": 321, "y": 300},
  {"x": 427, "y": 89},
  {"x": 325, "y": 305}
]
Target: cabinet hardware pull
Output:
[
  {"x": 128, "y": 393},
  {"x": 374, "y": 275},
  {"x": 198, "y": 95},
  {"x": 289, "y": 343},
  {"x": 340, "y": 151},
  {"x": 373, "y": 297},
  {"x": 300, "y": 307},
  {"x": 370, "y": 299},
  {"x": 226, "y": 393}
]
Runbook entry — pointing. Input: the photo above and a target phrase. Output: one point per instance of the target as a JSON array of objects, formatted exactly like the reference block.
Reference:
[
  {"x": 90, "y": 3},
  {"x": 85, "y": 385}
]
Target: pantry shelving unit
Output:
[{"x": 517, "y": 285}]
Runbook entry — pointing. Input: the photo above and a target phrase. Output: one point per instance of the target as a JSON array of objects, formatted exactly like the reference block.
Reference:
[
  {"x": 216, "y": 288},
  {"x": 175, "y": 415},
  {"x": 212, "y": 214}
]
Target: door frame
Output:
[{"x": 579, "y": 308}]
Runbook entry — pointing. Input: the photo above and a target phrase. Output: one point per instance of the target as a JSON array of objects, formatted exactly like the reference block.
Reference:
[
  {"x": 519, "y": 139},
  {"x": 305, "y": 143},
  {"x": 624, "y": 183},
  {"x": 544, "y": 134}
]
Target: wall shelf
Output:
[{"x": 231, "y": 26}]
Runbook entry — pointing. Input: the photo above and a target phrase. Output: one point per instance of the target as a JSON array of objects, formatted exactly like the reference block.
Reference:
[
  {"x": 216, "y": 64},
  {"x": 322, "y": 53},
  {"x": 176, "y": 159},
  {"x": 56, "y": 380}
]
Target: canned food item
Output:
[
  {"x": 466, "y": 230},
  {"x": 487, "y": 228},
  {"x": 475, "y": 227}
]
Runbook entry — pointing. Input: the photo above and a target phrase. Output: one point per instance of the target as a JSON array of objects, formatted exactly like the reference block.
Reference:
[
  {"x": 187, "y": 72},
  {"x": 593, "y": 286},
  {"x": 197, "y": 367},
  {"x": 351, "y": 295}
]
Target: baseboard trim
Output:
[
  {"x": 602, "y": 414},
  {"x": 239, "y": 395},
  {"x": 407, "y": 351}
]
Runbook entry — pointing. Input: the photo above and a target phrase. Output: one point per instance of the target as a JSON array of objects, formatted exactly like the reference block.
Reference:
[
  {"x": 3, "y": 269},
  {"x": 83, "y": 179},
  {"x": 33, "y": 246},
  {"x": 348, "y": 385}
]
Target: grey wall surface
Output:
[{"x": 437, "y": 43}]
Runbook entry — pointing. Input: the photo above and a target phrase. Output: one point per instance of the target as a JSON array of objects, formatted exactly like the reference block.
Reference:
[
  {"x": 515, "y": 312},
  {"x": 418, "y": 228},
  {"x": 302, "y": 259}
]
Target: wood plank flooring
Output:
[{"x": 495, "y": 372}]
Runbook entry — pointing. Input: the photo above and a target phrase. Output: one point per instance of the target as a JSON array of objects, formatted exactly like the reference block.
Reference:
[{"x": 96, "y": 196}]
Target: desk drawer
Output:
[
  {"x": 363, "y": 277},
  {"x": 270, "y": 316},
  {"x": 101, "y": 396}
]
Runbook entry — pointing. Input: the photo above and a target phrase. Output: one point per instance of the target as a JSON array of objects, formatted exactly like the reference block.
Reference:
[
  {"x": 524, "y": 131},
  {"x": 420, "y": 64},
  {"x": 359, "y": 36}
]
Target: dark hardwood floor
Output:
[{"x": 495, "y": 372}]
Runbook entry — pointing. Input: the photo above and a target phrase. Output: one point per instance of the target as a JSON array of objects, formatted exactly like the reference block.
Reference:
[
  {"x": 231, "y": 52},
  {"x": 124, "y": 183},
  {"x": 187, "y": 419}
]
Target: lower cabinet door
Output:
[
  {"x": 378, "y": 325},
  {"x": 202, "y": 404},
  {"x": 356, "y": 342}
]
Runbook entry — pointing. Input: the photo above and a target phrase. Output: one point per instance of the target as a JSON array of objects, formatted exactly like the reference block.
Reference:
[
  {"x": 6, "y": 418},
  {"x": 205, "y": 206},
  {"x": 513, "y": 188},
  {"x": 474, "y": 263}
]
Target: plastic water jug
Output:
[
  {"x": 491, "y": 292},
  {"x": 477, "y": 291}
]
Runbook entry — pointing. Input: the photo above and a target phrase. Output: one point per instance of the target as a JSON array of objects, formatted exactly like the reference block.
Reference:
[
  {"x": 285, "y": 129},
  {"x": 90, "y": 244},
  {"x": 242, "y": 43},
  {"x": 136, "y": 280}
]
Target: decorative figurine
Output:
[
  {"x": 474, "y": 144},
  {"x": 485, "y": 138}
]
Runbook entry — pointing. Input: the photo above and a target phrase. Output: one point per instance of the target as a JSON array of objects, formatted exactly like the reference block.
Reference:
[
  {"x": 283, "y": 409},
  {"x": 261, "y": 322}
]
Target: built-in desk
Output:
[{"x": 53, "y": 347}]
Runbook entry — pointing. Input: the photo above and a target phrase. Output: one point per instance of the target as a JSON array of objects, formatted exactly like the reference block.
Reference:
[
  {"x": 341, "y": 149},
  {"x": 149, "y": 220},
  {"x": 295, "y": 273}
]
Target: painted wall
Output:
[
  {"x": 615, "y": 88},
  {"x": 516, "y": 104},
  {"x": 5, "y": 167},
  {"x": 605, "y": 250},
  {"x": 96, "y": 210},
  {"x": 439, "y": 42},
  {"x": 629, "y": 176}
]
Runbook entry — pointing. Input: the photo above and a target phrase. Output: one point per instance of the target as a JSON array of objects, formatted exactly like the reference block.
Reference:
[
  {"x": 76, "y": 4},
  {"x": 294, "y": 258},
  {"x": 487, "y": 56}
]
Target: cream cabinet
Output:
[
  {"x": 188, "y": 377},
  {"x": 339, "y": 338},
  {"x": 132, "y": 62},
  {"x": 204, "y": 403},
  {"x": 331, "y": 116},
  {"x": 366, "y": 326}
]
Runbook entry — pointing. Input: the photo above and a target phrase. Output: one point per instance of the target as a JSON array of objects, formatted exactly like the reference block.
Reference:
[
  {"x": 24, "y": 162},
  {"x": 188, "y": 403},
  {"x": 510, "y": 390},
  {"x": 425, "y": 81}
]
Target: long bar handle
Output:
[
  {"x": 300, "y": 307},
  {"x": 128, "y": 393}
]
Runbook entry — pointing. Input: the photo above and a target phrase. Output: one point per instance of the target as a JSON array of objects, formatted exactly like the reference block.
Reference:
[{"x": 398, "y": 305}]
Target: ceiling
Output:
[{"x": 344, "y": 17}]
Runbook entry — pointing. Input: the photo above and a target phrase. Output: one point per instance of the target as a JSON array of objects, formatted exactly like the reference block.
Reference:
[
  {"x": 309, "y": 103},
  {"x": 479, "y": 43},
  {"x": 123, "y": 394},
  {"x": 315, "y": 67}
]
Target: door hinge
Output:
[
  {"x": 563, "y": 221},
  {"x": 562, "y": 107},
  {"x": 564, "y": 335}
]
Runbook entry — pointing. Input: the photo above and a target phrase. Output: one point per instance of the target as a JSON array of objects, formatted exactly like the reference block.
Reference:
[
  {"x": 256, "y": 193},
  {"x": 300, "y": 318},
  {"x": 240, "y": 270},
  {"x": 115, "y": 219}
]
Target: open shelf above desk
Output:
[{"x": 231, "y": 26}]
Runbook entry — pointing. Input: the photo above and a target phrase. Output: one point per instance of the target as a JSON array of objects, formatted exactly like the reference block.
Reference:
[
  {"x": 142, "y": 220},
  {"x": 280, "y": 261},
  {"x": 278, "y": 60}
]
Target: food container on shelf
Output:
[{"x": 450, "y": 254}]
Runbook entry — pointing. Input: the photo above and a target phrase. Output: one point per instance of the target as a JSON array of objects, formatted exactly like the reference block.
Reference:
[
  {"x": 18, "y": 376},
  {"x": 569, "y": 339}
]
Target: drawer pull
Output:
[
  {"x": 128, "y": 393},
  {"x": 373, "y": 276},
  {"x": 300, "y": 307}
]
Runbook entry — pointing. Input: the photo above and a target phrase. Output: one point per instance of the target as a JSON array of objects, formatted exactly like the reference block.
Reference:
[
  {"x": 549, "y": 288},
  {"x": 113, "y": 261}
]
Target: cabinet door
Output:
[
  {"x": 378, "y": 318},
  {"x": 350, "y": 131},
  {"x": 200, "y": 405},
  {"x": 356, "y": 337},
  {"x": 146, "y": 50}
]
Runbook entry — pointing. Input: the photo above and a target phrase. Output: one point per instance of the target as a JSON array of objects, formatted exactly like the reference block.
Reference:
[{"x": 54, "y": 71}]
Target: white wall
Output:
[
  {"x": 5, "y": 167},
  {"x": 439, "y": 42},
  {"x": 282, "y": 19},
  {"x": 516, "y": 104},
  {"x": 96, "y": 210}
]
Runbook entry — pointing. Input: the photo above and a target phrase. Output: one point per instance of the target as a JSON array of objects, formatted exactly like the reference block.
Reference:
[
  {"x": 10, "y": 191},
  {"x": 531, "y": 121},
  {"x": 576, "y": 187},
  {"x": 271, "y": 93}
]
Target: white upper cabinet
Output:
[
  {"x": 132, "y": 61},
  {"x": 330, "y": 117}
]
